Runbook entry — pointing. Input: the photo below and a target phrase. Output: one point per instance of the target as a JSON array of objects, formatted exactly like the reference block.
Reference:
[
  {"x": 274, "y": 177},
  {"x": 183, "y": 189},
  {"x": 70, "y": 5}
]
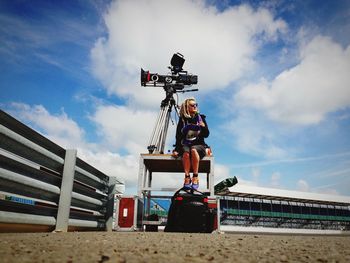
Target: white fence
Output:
[{"x": 44, "y": 187}]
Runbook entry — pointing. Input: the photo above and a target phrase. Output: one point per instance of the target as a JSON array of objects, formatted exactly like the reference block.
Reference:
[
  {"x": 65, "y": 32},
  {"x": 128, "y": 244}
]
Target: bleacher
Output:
[{"x": 275, "y": 208}]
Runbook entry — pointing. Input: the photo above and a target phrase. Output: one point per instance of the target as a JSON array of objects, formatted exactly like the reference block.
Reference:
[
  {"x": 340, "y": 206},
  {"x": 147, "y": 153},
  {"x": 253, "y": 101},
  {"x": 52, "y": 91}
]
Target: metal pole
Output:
[
  {"x": 66, "y": 191},
  {"x": 165, "y": 131},
  {"x": 110, "y": 203}
]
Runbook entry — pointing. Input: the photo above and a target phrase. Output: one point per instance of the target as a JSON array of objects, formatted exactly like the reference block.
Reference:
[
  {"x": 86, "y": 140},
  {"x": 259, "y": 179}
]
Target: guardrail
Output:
[{"x": 44, "y": 187}]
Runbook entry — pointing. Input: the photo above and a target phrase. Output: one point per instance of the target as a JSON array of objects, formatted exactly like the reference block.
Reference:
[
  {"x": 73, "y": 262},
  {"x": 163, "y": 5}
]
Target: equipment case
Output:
[{"x": 189, "y": 212}]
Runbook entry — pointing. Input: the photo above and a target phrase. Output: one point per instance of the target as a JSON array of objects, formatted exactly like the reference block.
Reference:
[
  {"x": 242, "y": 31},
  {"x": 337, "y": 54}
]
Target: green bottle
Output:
[{"x": 225, "y": 184}]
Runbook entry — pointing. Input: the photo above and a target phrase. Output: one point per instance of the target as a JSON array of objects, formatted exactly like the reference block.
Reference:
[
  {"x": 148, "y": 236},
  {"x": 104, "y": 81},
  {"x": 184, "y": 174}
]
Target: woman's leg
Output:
[
  {"x": 195, "y": 160},
  {"x": 196, "y": 155},
  {"x": 187, "y": 166},
  {"x": 186, "y": 161}
]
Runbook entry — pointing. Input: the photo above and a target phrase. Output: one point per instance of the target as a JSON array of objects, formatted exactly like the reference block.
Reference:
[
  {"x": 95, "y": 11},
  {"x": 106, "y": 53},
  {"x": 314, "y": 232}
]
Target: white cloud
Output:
[
  {"x": 221, "y": 172},
  {"x": 218, "y": 46},
  {"x": 242, "y": 181},
  {"x": 59, "y": 128},
  {"x": 304, "y": 94},
  {"x": 275, "y": 179},
  {"x": 123, "y": 128},
  {"x": 125, "y": 168},
  {"x": 302, "y": 185},
  {"x": 269, "y": 112}
]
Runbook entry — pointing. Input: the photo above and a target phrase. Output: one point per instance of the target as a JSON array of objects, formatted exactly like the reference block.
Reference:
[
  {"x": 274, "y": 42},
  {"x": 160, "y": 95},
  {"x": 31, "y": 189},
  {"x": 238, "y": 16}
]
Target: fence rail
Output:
[{"x": 44, "y": 186}]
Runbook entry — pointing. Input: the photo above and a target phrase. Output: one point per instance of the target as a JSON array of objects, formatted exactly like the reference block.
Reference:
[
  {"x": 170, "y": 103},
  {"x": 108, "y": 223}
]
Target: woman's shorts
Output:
[{"x": 200, "y": 149}]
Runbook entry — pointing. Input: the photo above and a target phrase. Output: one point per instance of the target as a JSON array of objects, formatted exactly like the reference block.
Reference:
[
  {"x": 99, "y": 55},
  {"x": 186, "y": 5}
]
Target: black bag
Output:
[{"x": 189, "y": 213}]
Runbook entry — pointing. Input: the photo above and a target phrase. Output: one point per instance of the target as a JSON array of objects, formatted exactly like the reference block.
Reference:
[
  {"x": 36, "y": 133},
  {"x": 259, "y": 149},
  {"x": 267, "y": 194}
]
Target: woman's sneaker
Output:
[
  {"x": 187, "y": 182},
  {"x": 195, "y": 182}
]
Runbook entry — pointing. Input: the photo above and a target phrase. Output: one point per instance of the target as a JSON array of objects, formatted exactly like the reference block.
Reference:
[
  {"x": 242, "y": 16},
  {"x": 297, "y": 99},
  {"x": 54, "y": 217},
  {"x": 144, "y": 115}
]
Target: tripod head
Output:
[{"x": 170, "y": 90}]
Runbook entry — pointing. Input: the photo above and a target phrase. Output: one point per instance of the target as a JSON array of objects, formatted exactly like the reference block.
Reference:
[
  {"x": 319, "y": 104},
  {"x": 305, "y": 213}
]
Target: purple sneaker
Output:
[
  {"x": 195, "y": 182},
  {"x": 187, "y": 182}
]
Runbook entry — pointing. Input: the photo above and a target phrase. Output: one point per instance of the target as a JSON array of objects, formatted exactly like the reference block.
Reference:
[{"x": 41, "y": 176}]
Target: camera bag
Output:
[{"x": 189, "y": 213}]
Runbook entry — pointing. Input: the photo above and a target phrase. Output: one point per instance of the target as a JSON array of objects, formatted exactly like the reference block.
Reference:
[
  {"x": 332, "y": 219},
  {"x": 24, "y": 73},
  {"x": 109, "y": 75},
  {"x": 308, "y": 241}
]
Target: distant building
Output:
[{"x": 250, "y": 208}]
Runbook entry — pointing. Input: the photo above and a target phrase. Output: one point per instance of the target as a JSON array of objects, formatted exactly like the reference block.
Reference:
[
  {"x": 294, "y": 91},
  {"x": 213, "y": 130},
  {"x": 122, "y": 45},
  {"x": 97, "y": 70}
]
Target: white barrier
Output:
[{"x": 43, "y": 184}]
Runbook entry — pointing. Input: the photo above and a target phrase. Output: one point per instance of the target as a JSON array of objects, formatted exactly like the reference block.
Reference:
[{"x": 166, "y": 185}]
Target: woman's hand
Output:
[{"x": 175, "y": 154}]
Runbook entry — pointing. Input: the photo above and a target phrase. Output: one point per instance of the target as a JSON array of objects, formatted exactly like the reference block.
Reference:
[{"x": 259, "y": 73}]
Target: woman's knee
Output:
[
  {"x": 194, "y": 151},
  {"x": 186, "y": 155}
]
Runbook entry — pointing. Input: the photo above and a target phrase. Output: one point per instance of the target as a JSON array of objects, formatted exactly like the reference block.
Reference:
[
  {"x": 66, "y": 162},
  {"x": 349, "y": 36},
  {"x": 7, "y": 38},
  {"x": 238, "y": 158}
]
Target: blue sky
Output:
[{"x": 273, "y": 81}]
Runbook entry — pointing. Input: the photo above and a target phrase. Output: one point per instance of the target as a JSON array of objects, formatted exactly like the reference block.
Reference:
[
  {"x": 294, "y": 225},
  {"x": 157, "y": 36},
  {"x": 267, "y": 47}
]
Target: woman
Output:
[{"x": 190, "y": 133}]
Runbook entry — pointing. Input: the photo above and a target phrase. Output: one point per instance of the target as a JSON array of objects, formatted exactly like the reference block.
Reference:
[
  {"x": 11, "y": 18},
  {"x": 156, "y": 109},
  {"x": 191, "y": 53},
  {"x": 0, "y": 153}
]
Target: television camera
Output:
[{"x": 178, "y": 79}]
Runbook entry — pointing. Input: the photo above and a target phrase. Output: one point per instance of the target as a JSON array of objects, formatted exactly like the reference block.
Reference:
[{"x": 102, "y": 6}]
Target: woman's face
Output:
[{"x": 192, "y": 107}]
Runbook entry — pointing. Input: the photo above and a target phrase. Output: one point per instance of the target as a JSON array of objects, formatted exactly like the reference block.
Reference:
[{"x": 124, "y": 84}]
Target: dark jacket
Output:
[{"x": 180, "y": 136}]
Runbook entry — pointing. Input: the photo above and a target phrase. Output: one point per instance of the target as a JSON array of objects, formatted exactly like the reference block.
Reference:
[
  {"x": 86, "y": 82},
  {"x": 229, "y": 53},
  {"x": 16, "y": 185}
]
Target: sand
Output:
[{"x": 170, "y": 247}]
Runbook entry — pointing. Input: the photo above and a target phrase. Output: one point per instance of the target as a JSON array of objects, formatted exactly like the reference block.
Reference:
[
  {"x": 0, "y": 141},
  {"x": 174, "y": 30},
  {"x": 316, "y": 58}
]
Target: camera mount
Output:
[{"x": 171, "y": 84}]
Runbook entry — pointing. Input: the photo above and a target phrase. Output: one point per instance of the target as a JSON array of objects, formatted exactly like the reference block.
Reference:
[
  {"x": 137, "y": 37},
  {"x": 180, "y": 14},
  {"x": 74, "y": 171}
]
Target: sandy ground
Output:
[{"x": 170, "y": 247}]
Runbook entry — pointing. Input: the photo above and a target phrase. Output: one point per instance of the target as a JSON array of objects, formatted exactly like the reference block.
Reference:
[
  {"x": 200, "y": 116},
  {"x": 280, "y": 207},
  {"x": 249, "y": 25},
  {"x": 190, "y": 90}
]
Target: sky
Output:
[{"x": 273, "y": 80}]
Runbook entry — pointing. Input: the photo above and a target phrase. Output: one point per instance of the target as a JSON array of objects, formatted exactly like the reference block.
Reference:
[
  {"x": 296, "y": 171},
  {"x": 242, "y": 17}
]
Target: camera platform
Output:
[{"x": 166, "y": 163}]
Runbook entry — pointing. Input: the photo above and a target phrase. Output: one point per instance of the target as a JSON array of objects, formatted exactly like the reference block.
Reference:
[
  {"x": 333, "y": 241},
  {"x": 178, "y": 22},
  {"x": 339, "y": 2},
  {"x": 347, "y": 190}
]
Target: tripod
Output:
[{"x": 158, "y": 137}]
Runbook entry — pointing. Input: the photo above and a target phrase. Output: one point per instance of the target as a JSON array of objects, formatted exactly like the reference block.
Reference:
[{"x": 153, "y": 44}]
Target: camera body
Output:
[{"x": 177, "y": 80}]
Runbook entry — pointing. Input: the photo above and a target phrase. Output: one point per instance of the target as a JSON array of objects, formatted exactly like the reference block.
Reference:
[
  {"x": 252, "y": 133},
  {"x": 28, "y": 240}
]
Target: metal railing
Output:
[{"x": 45, "y": 187}]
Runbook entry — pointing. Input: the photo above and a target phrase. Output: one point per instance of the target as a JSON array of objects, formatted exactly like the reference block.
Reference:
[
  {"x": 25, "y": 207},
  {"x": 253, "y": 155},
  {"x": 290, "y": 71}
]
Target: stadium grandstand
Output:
[{"x": 250, "y": 208}]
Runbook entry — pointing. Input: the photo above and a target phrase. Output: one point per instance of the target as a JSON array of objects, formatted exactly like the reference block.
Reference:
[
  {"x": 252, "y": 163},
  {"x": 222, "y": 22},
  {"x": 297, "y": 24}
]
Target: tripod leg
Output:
[
  {"x": 158, "y": 137},
  {"x": 153, "y": 145},
  {"x": 164, "y": 132}
]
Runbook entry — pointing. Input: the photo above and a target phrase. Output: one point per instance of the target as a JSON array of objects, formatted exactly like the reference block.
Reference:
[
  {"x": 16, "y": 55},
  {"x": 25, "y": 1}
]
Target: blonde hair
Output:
[{"x": 184, "y": 108}]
